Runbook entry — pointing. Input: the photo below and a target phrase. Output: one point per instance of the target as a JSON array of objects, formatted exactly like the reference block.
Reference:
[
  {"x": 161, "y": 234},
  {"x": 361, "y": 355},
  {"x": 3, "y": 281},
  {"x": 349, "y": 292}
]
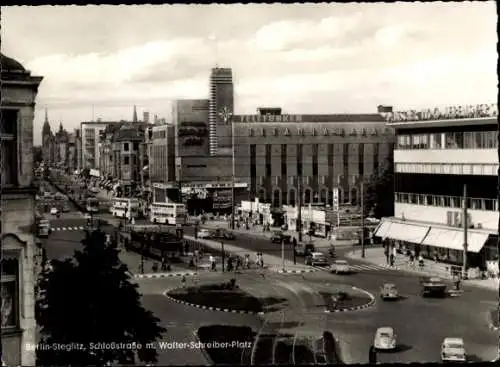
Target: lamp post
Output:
[{"x": 226, "y": 114}]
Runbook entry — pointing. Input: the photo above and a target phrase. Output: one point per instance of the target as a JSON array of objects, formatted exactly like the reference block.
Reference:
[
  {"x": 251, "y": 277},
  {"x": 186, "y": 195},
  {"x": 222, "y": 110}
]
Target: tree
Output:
[
  {"x": 89, "y": 300},
  {"x": 379, "y": 191}
]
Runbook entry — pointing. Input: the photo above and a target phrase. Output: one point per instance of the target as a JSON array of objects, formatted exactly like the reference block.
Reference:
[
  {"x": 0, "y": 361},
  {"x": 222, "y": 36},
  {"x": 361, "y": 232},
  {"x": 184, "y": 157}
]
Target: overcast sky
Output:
[{"x": 306, "y": 58}]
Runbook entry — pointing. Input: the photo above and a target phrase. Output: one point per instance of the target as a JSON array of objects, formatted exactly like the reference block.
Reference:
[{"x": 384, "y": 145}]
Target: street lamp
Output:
[{"x": 226, "y": 114}]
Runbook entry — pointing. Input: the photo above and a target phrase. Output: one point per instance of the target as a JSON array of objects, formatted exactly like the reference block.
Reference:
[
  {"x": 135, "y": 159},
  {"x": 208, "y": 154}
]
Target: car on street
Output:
[
  {"x": 388, "y": 291},
  {"x": 65, "y": 209},
  {"x": 432, "y": 287},
  {"x": 220, "y": 233},
  {"x": 453, "y": 350},
  {"x": 203, "y": 234},
  {"x": 316, "y": 259},
  {"x": 302, "y": 249},
  {"x": 385, "y": 339},
  {"x": 54, "y": 211},
  {"x": 340, "y": 267}
]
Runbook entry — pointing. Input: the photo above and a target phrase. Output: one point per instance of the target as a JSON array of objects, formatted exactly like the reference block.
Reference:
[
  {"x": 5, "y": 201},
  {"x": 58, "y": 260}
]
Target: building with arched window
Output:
[{"x": 18, "y": 255}]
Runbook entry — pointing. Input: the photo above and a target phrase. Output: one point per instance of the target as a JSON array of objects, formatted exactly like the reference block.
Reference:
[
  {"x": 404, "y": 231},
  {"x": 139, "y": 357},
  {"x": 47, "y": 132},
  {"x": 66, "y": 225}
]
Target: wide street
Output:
[{"x": 420, "y": 323}]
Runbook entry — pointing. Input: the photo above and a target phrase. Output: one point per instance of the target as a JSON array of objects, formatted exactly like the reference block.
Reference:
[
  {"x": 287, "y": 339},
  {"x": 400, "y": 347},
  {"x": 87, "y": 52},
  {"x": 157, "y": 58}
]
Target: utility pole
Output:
[
  {"x": 362, "y": 220},
  {"x": 299, "y": 214},
  {"x": 227, "y": 115},
  {"x": 283, "y": 255},
  {"x": 223, "y": 255},
  {"x": 465, "y": 224}
]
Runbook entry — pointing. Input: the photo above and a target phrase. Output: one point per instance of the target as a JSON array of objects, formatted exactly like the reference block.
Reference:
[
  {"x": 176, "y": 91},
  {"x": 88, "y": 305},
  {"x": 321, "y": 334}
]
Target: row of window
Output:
[
  {"x": 126, "y": 146},
  {"x": 447, "y": 168},
  {"x": 446, "y": 201},
  {"x": 449, "y": 140}
]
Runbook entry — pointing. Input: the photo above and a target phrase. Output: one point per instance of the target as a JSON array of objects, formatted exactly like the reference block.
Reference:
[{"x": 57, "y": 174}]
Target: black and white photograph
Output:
[{"x": 249, "y": 184}]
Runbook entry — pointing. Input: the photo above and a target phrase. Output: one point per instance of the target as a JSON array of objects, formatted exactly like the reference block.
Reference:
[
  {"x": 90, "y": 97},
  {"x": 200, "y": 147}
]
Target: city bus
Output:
[
  {"x": 168, "y": 213},
  {"x": 92, "y": 205},
  {"x": 125, "y": 207},
  {"x": 43, "y": 229}
]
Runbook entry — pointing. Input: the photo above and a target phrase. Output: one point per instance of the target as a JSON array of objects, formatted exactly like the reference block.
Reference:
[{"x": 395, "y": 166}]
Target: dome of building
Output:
[{"x": 9, "y": 64}]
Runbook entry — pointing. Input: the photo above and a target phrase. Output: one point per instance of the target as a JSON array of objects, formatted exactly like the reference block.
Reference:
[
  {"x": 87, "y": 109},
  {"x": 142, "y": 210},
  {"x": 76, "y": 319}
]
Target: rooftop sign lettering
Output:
[
  {"x": 270, "y": 118},
  {"x": 261, "y": 132},
  {"x": 447, "y": 113}
]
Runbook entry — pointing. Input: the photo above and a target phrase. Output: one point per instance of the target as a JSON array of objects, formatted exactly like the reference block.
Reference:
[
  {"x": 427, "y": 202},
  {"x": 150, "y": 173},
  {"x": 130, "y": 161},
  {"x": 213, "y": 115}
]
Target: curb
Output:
[
  {"x": 370, "y": 303},
  {"x": 163, "y": 275},
  {"x": 280, "y": 271},
  {"x": 209, "y": 308},
  {"x": 203, "y": 349}
]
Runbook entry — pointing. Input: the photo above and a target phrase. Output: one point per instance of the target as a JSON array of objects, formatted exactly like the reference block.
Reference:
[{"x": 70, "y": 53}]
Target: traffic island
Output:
[
  {"x": 226, "y": 297},
  {"x": 227, "y": 345},
  {"x": 347, "y": 299}
]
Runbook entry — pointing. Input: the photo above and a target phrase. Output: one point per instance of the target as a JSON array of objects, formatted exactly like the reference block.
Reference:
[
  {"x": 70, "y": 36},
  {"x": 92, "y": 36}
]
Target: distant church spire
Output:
[
  {"x": 135, "y": 114},
  {"x": 46, "y": 116}
]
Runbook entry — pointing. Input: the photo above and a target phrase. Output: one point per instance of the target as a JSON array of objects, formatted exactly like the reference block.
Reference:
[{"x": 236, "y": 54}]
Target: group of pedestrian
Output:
[{"x": 259, "y": 260}]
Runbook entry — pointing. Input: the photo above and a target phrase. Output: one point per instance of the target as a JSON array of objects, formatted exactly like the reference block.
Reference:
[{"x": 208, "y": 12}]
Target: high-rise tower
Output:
[
  {"x": 134, "y": 118},
  {"x": 221, "y": 95}
]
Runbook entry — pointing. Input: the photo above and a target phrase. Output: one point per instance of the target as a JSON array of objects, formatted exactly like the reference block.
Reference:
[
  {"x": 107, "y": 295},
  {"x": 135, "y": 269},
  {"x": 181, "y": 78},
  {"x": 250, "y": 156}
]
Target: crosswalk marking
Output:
[
  {"x": 77, "y": 228},
  {"x": 365, "y": 267}
]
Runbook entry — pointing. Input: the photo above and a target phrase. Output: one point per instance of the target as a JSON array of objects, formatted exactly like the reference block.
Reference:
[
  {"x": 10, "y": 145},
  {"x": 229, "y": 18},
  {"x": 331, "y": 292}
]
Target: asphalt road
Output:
[{"x": 420, "y": 323}]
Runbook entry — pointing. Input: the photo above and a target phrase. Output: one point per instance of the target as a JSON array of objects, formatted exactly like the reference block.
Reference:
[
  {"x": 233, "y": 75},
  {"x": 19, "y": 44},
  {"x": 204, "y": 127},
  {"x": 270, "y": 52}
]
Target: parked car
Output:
[
  {"x": 385, "y": 339},
  {"x": 389, "y": 292},
  {"x": 54, "y": 211},
  {"x": 65, "y": 209},
  {"x": 316, "y": 259},
  {"x": 279, "y": 236},
  {"x": 302, "y": 249},
  {"x": 433, "y": 286},
  {"x": 453, "y": 350},
  {"x": 340, "y": 267},
  {"x": 203, "y": 234}
]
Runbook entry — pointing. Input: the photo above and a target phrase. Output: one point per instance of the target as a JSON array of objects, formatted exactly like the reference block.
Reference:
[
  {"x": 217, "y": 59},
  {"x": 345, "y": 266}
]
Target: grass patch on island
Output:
[
  {"x": 342, "y": 300},
  {"x": 220, "y": 295},
  {"x": 227, "y": 345}
]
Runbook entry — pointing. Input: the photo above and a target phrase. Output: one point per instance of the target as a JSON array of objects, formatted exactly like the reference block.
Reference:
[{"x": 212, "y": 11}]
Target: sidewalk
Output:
[
  {"x": 376, "y": 256},
  {"x": 321, "y": 244},
  {"x": 273, "y": 263},
  {"x": 133, "y": 262}
]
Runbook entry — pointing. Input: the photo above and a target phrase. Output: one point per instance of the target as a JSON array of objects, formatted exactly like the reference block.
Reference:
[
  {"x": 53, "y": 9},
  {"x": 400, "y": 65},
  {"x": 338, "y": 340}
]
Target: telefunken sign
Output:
[
  {"x": 270, "y": 118},
  {"x": 447, "y": 113}
]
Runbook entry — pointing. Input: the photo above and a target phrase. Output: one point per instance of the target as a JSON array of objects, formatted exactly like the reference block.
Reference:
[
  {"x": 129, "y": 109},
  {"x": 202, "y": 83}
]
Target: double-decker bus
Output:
[
  {"x": 168, "y": 213},
  {"x": 125, "y": 207},
  {"x": 92, "y": 205}
]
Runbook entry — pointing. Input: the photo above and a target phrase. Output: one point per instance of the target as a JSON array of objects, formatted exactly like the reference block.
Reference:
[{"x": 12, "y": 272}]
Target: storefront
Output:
[
  {"x": 437, "y": 242},
  {"x": 313, "y": 219}
]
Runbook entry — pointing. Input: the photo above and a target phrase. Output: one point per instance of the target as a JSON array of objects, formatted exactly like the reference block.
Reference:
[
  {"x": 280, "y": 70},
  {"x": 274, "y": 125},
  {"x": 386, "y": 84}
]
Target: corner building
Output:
[
  {"x": 279, "y": 155},
  {"x": 436, "y": 156},
  {"x": 19, "y": 255}
]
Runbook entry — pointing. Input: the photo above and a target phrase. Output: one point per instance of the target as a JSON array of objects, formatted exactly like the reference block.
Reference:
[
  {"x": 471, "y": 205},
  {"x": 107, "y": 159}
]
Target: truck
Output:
[{"x": 433, "y": 287}]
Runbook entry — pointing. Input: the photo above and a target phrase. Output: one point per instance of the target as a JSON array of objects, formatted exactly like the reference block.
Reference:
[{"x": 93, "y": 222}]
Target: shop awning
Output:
[
  {"x": 382, "y": 229},
  {"x": 413, "y": 233},
  {"x": 453, "y": 239}
]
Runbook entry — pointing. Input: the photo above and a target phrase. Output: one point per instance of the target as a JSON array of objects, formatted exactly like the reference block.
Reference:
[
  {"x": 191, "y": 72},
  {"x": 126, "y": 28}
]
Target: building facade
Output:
[
  {"x": 221, "y": 95},
  {"x": 280, "y": 155},
  {"x": 90, "y": 137},
  {"x": 443, "y": 160},
  {"x": 18, "y": 249},
  {"x": 160, "y": 141}
]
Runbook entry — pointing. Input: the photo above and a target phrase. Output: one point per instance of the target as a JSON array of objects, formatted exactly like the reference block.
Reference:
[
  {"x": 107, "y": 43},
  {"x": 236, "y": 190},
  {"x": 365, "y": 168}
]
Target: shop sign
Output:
[
  {"x": 270, "y": 118},
  {"x": 302, "y": 132},
  {"x": 447, "y": 113},
  {"x": 336, "y": 199}
]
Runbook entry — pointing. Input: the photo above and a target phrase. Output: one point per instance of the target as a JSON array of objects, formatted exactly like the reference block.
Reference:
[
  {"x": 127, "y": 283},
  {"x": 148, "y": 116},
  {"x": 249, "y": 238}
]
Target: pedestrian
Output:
[
  {"x": 246, "y": 264},
  {"x": 163, "y": 262},
  {"x": 257, "y": 259},
  {"x": 261, "y": 260},
  {"x": 392, "y": 260},
  {"x": 212, "y": 262},
  {"x": 420, "y": 261},
  {"x": 372, "y": 355},
  {"x": 386, "y": 253}
]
